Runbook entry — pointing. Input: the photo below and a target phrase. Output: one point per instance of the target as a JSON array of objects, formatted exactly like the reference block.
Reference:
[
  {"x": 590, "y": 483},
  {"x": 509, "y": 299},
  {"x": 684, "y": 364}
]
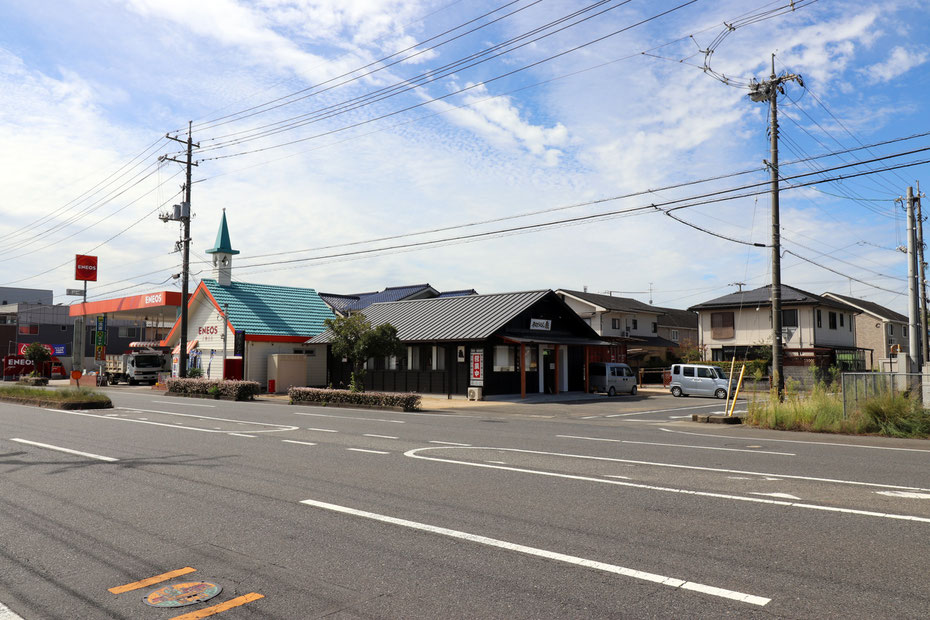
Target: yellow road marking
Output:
[
  {"x": 209, "y": 611},
  {"x": 156, "y": 579}
]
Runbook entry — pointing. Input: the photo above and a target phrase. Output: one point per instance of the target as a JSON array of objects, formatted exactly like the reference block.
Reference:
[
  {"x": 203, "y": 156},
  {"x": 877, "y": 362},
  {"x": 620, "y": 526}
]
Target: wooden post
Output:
[
  {"x": 587, "y": 366},
  {"x": 522, "y": 370},
  {"x": 556, "y": 369}
]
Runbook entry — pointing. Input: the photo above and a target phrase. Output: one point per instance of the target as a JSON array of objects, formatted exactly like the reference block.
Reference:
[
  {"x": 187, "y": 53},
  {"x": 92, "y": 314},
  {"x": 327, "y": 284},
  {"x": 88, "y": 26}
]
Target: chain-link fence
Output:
[{"x": 861, "y": 386}]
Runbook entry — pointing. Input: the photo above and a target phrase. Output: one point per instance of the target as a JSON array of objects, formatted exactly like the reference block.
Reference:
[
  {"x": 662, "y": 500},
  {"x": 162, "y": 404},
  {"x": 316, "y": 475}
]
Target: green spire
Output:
[{"x": 223, "y": 245}]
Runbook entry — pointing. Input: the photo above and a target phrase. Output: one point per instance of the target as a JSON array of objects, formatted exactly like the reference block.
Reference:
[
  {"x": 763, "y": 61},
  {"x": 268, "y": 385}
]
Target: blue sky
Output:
[{"x": 86, "y": 88}]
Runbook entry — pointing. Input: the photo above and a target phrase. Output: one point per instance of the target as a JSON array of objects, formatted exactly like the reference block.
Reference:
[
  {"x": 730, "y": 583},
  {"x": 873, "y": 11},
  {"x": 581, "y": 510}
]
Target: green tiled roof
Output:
[{"x": 271, "y": 310}]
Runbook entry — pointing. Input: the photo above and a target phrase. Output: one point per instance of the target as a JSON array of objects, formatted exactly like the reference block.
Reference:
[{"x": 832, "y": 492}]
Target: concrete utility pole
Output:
[
  {"x": 913, "y": 342},
  {"x": 182, "y": 213},
  {"x": 768, "y": 91},
  {"x": 925, "y": 347}
]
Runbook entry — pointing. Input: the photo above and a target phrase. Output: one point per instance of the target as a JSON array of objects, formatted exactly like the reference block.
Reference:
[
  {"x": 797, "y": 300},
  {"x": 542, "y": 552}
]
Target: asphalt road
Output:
[{"x": 620, "y": 509}]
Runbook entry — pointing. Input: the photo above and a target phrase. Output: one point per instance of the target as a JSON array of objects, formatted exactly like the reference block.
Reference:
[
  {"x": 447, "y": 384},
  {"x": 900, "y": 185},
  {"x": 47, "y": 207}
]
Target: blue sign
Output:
[{"x": 60, "y": 349}]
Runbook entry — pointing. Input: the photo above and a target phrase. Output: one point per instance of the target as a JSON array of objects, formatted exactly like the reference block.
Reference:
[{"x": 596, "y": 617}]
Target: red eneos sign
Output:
[
  {"x": 85, "y": 267},
  {"x": 15, "y": 366}
]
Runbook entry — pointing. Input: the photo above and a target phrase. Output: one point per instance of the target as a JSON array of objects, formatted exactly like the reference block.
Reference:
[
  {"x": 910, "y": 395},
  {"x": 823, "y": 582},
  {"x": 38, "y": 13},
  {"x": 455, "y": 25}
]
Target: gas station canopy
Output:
[{"x": 161, "y": 307}]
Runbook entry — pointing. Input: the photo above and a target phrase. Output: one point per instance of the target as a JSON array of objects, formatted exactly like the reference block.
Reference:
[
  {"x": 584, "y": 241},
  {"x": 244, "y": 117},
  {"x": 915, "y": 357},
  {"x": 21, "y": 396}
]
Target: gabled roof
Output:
[
  {"x": 790, "y": 296},
  {"x": 222, "y": 245},
  {"x": 869, "y": 307},
  {"x": 673, "y": 317},
  {"x": 461, "y": 293},
  {"x": 611, "y": 303},
  {"x": 471, "y": 317},
  {"x": 355, "y": 302},
  {"x": 266, "y": 309}
]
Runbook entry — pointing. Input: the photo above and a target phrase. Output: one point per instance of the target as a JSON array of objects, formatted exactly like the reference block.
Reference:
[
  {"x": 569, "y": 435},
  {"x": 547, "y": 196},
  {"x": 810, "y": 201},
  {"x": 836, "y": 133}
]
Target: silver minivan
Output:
[
  {"x": 611, "y": 378},
  {"x": 688, "y": 379}
]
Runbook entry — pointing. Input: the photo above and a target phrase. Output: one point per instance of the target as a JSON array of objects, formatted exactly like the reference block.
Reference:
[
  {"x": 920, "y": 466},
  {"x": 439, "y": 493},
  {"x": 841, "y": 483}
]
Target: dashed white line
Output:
[
  {"x": 368, "y": 451},
  {"x": 322, "y": 430},
  {"x": 379, "y": 436},
  {"x": 303, "y": 443},
  {"x": 810, "y": 443},
  {"x": 616, "y": 415},
  {"x": 674, "y": 445},
  {"x": 241, "y": 435},
  {"x": 186, "y": 404},
  {"x": 619, "y": 477},
  {"x": 549, "y": 555},
  {"x": 345, "y": 417},
  {"x": 779, "y": 495},
  {"x": 451, "y": 443},
  {"x": 67, "y": 450},
  {"x": 905, "y": 494}
]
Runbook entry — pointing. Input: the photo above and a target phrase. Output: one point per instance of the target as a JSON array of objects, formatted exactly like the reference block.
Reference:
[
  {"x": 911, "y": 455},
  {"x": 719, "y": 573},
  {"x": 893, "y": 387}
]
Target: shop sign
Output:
[
  {"x": 74, "y": 292},
  {"x": 15, "y": 365},
  {"x": 101, "y": 322},
  {"x": 100, "y": 353},
  {"x": 100, "y": 338},
  {"x": 541, "y": 324},
  {"x": 477, "y": 367},
  {"x": 85, "y": 268},
  {"x": 53, "y": 349},
  {"x": 460, "y": 354}
]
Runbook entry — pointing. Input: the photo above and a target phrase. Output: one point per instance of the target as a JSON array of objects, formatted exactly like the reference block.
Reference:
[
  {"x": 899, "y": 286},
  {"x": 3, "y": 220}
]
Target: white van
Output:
[
  {"x": 688, "y": 379},
  {"x": 611, "y": 378}
]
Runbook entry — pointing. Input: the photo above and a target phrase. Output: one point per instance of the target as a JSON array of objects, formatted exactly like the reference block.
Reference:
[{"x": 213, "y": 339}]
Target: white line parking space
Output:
[
  {"x": 415, "y": 453},
  {"x": 674, "y": 445},
  {"x": 89, "y": 455},
  {"x": 549, "y": 555}
]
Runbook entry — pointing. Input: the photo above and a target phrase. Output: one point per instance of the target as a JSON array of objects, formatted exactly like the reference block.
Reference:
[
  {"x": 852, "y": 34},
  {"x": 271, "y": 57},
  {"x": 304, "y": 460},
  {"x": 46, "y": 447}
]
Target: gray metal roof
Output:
[
  {"x": 472, "y": 317},
  {"x": 790, "y": 296},
  {"x": 617, "y": 304},
  {"x": 869, "y": 307}
]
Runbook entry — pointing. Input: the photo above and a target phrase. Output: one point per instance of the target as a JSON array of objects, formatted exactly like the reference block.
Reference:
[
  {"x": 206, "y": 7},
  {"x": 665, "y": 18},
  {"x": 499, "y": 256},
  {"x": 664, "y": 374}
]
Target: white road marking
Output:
[
  {"x": 277, "y": 427},
  {"x": 497, "y": 462},
  {"x": 674, "y": 445},
  {"x": 590, "y": 417},
  {"x": 739, "y": 478},
  {"x": 345, "y": 417},
  {"x": 814, "y": 443},
  {"x": 663, "y": 410},
  {"x": 303, "y": 443},
  {"x": 186, "y": 404},
  {"x": 145, "y": 421},
  {"x": 68, "y": 450},
  {"x": 741, "y": 498},
  {"x": 368, "y": 451},
  {"x": 241, "y": 435},
  {"x": 322, "y": 430},
  {"x": 451, "y": 443},
  {"x": 906, "y": 494},
  {"x": 8, "y": 614},
  {"x": 615, "y": 476},
  {"x": 380, "y": 436},
  {"x": 780, "y": 495},
  {"x": 549, "y": 555}
]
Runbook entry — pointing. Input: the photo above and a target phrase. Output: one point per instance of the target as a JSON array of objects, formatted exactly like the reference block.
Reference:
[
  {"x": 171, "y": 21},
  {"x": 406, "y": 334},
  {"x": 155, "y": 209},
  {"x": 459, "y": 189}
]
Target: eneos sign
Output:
[{"x": 85, "y": 268}]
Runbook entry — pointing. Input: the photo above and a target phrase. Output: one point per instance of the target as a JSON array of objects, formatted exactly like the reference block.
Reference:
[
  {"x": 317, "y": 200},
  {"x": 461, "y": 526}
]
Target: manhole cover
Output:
[{"x": 181, "y": 594}]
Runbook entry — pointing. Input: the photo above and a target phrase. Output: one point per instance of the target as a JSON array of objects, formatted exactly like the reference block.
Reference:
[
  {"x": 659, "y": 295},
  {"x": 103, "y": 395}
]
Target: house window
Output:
[
  {"x": 439, "y": 358},
  {"x": 832, "y": 318},
  {"x": 842, "y": 318},
  {"x": 789, "y": 318},
  {"x": 29, "y": 329},
  {"x": 635, "y": 324},
  {"x": 819, "y": 319},
  {"x": 390, "y": 362},
  {"x": 904, "y": 331},
  {"x": 615, "y": 323},
  {"x": 413, "y": 358},
  {"x": 850, "y": 322},
  {"x": 128, "y": 332},
  {"x": 504, "y": 359},
  {"x": 674, "y": 335},
  {"x": 655, "y": 327},
  {"x": 531, "y": 363},
  {"x": 64, "y": 328},
  {"x": 721, "y": 325},
  {"x": 891, "y": 329}
]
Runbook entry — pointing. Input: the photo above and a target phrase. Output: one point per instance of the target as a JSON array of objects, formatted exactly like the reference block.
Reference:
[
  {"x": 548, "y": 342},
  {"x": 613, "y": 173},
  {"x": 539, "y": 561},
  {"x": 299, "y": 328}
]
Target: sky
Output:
[{"x": 500, "y": 146}]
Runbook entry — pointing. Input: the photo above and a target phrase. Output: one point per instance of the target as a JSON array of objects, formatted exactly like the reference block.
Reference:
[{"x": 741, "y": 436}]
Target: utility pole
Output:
[
  {"x": 913, "y": 342},
  {"x": 925, "y": 347},
  {"x": 182, "y": 213},
  {"x": 768, "y": 91}
]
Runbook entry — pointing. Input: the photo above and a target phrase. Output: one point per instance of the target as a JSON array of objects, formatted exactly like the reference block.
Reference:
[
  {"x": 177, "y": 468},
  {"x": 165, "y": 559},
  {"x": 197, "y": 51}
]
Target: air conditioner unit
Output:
[
  {"x": 474, "y": 393},
  {"x": 625, "y": 333}
]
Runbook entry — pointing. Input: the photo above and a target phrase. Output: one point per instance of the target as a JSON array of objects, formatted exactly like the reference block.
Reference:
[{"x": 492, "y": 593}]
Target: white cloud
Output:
[{"x": 900, "y": 61}]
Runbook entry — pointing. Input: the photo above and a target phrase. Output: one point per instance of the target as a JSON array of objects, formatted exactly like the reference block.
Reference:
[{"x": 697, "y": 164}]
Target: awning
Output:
[
  {"x": 550, "y": 339},
  {"x": 190, "y": 347},
  {"x": 146, "y": 344}
]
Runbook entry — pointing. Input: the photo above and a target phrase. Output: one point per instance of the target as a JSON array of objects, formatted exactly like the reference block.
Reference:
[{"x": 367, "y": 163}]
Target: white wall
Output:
[
  {"x": 753, "y": 326},
  {"x": 839, "y": 337}
]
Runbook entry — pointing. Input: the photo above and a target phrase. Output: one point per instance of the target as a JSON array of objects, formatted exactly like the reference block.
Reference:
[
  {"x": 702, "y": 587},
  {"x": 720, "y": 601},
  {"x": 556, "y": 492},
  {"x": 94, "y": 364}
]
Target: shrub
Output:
[
  {"x": 896, "y": 415},
  {"x": 194, "y": 373},
  {"x": 408, "y": 401},
  {"x": 227, "y": 390}
]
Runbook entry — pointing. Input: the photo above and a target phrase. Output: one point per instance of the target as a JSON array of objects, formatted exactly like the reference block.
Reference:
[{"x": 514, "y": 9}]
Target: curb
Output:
[{"x": 716, "y": 418}]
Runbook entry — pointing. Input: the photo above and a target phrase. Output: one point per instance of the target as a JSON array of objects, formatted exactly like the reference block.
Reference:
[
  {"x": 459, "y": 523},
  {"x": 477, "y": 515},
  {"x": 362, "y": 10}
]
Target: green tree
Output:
[
  {"x": 38, "y": 354},
  {"x": 356, "y": 340}
]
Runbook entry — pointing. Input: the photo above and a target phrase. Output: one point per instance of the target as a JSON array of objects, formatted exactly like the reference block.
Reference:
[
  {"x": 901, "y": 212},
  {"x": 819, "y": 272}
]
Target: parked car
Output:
[
  {"x": 611, "y": 378},
  {"x": 688, "y": 379}
]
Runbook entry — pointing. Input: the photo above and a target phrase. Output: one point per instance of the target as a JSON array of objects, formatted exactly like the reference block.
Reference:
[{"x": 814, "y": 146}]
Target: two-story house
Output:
[
  {"x": 631, "y": 325},
  {"x": 815, "y": 329},
  {"x": 878, "y": 328},
  {"x": 679, "y": 326}
]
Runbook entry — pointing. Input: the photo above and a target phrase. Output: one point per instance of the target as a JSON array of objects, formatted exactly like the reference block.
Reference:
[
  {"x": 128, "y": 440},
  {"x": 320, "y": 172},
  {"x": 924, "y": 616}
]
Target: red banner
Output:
[{"x": 85, "y": 267}]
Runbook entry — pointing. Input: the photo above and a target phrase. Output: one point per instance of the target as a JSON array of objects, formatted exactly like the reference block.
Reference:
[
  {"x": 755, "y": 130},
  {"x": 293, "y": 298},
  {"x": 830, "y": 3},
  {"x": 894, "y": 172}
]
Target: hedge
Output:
[
  {"x": 216, "y": 388},
  {"x": 405, "y": 400}
]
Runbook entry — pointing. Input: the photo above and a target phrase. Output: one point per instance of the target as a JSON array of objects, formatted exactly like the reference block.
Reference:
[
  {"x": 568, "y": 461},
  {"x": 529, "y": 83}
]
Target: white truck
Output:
[{"x": 135, "y": 367}]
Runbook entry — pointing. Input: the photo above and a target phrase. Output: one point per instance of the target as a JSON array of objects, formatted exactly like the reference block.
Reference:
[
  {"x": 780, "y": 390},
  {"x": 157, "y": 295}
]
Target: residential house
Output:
[
  {"x": 882, "y": 330},
  {"x": 679, "y": 326},
  {"x": 816, "y": 330},
  {"x": 506, "y": 343},
  {"x": 343, "y": 305}
]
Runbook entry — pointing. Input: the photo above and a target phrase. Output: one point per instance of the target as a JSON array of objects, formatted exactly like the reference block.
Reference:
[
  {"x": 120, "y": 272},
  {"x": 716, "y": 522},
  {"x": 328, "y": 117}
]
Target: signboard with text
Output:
[
  {"x": 85, "y": 268},
  {"x": 477, "y": 367},
  {"x": 54, "y": 349},
  {"x": 541, "y": 324},
  {"x": 100, "y": 353},
  {"x": 101, "y": 322}
]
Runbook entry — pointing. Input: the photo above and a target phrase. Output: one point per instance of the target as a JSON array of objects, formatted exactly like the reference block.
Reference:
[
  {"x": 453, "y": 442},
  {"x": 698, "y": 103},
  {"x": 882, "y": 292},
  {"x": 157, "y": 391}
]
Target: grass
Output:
[
  {"x": 39, "y": 395},
  {"x": 821, "y": 411}
]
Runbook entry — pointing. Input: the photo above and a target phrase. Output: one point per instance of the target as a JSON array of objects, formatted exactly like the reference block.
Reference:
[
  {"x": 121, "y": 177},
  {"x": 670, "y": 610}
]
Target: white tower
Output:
[{"x": 222, "y": 254}]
